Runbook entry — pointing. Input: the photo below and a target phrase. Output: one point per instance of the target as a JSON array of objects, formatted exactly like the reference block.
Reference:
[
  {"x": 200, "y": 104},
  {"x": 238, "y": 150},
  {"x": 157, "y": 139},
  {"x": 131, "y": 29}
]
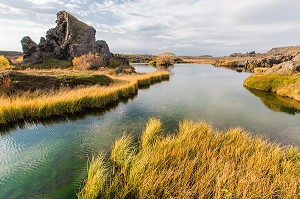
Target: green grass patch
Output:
[
  {"x": 50, "y": 62},
  {"x": 270, "y": 82},
  {"x": 32, "y": 82},
  {"x": 75, "y": 80},
  {"x": 195, "y": 162}
]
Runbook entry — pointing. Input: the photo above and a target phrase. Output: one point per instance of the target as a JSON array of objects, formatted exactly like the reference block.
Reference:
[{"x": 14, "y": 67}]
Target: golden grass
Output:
[
  {"x": 4, "y": 62},
  {"x": 97, "y": 175},
  {"x": 122, "y": 153},
  {"x": 152, "y": 132},
  {"x": 199, "y": 162},
  {"x": 42, "y": 105}
]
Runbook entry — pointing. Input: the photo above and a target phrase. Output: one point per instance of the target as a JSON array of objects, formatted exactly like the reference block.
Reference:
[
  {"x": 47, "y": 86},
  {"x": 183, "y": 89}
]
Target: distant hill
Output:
[
  {"x": 288, "y": 50},
  {"x": 11, "y": 54}
]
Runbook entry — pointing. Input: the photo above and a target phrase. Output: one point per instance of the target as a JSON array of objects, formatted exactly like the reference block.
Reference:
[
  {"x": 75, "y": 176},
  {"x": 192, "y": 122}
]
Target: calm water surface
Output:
[{"x": 48, "y": 159}]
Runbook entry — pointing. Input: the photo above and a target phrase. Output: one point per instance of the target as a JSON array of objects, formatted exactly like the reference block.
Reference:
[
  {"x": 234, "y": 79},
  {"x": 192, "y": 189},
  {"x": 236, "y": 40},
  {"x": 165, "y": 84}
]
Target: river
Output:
[{"x": 48, "y": 159}]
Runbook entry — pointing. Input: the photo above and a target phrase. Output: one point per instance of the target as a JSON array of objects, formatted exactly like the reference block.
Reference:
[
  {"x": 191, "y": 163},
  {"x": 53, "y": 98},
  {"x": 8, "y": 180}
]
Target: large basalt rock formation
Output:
[
  {"x": 70, "y": 38},
  {"x": 32, "y": 53}
]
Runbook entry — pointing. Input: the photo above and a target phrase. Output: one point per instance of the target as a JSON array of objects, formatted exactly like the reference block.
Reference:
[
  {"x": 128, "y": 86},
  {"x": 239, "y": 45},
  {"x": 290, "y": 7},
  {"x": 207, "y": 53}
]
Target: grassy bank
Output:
[
  {"x": 195, "y": 162},
  {"x": 67, "y": 100},
  {"x": 283, "y": 85}
]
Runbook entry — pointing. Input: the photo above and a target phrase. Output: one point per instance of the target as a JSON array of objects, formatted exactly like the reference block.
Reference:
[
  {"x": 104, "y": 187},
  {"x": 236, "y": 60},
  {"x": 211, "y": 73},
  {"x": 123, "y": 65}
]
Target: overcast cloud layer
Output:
[{"x": 189, "y": 27}]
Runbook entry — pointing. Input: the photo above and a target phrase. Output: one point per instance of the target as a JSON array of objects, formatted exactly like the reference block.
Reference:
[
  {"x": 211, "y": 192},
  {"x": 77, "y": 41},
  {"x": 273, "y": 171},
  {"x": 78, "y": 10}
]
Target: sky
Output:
[{"x": 185, "y": 27}]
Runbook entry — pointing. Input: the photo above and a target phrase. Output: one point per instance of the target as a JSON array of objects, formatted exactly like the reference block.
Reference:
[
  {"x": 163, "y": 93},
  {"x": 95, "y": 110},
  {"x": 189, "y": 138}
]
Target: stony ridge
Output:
[{"x": 70, "y": 38}]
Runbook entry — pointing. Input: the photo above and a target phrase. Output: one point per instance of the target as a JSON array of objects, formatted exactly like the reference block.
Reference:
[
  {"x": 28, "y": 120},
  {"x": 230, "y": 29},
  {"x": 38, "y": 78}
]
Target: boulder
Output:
[
  {"x": 284, "y": 68},
  {"x": 127, "y": 69},
  {"x": 102, "y": 48},
  {"x": 32, "y": 53},
  {"x": 121, "y": 59}
]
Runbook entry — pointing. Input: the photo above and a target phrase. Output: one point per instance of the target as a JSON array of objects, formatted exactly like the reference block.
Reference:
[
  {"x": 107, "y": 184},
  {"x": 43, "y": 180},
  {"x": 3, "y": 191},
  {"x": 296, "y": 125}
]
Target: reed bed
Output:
[
  {"x": 65, "y": 101},
  {"x": 196, "y": 162}
]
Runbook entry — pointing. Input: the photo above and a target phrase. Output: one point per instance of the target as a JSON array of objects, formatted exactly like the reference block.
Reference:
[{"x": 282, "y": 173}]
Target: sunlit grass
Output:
[
  {"x": 42, "y": 105},
  {"x": 284, "y": 85},
  {"x": 97, "y": 177},
  {"x": 200, "y": 162}
]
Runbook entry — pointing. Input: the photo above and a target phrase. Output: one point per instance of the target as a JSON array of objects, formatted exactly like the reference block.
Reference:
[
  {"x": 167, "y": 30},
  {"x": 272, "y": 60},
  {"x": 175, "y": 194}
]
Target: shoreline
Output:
[{"x": 75, "y": 100}]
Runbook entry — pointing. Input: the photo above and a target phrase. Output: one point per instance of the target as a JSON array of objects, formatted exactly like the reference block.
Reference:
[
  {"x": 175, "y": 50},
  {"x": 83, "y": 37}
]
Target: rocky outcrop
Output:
[
  {"x": 102, "y": 48},
  {"x": 287, "y": 51},
  {"x": 252, "y": 60},
  {"x": 286, "y": 68},
  {"x": 70, "y": 38},
  {"x": 32, "y": 53}
]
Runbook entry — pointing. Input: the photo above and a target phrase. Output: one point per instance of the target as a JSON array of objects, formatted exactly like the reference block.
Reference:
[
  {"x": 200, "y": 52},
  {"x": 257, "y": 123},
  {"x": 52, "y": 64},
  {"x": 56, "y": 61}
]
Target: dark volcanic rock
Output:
[
  {"x": 102, "y": 48},
  {"x": 70, "y": 38},
  {"x": 121, "y": 59},
  {"x": 32, "y": 53}
]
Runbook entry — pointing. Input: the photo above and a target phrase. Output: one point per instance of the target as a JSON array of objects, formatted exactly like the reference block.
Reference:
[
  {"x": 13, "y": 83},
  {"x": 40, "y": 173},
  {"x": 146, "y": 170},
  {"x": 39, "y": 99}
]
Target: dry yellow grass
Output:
[
  {"x": 41, "y": 105},
  {"x": 200, "y": 162},
  {"x": 4, "y": 63}
]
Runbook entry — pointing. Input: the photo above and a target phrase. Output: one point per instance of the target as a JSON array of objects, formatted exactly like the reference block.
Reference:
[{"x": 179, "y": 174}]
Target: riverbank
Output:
[
  {"x": 197, "y": 161},
  {"x": 283, "y": 85},
  {"x": 41, "y": 104}
]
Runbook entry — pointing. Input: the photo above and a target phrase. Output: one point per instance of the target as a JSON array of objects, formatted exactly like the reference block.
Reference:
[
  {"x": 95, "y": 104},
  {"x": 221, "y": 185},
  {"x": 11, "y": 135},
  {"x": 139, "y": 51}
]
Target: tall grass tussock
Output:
[
  {"x": 196, "y": 162},
  {"x": 63, "y": 101}
]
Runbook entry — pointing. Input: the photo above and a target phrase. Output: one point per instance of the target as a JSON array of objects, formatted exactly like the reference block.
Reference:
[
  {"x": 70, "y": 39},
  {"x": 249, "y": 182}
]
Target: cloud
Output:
[{"x": 191, "y": 27}]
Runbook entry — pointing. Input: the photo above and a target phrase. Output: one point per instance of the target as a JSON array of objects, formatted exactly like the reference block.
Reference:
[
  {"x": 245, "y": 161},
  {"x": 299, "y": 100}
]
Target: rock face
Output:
[
  {"x": 289, "y": 50},
  {"x": 252, "y": 60},
  {"x": 32, "y": 53},
  {"x": 103, "y": 49},
  {"x": 70, "y": 38},
  {"x": 284, "y": 68}
]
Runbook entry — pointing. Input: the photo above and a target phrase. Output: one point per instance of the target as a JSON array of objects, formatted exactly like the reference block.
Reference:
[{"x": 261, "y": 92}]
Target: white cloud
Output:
[
  {"x": 195, "y": 27},
  {"x": 44, "y": 2}
]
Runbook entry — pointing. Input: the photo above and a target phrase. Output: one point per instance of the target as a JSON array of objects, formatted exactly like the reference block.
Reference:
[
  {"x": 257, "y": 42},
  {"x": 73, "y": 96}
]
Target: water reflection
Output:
[
  {"x": 277, "y": 103},
  {"x": 48, "y": 158}
]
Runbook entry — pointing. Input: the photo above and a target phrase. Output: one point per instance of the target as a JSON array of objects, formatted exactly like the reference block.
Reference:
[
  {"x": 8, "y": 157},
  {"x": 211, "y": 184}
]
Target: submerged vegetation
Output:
[
  {"x": 195, "y": 162},
  {"x": 284, "y": 85},
  {"x": 70, "y": 100}
]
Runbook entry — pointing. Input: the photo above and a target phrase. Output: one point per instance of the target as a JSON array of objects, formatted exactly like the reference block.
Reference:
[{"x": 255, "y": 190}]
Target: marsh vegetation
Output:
[
  {"x": 196, "y": 161},
  {"x": 81, "y": 92}
]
